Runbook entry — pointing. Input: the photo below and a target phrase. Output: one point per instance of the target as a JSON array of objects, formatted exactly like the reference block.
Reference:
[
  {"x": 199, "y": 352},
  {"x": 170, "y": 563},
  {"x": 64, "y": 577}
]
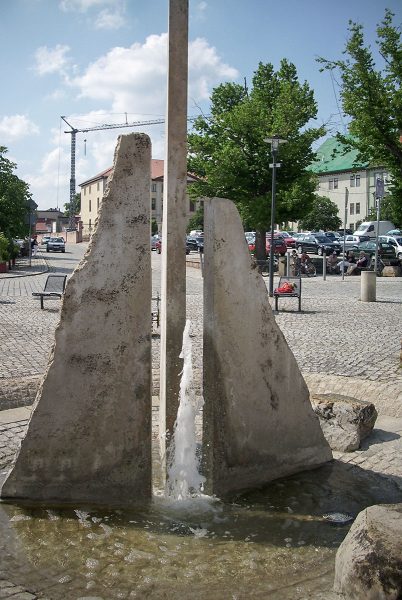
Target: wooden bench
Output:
[
  {"x": 54, "y": 288},
  {"x": 296, "y": 291}
]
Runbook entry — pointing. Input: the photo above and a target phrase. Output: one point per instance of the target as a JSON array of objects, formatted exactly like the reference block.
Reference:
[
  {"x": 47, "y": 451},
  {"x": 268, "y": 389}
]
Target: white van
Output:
[{"x": 370, "y": 228}]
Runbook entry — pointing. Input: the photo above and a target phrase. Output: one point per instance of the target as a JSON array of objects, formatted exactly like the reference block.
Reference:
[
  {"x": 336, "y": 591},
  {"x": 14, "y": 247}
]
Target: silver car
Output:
[{"x": 56, "y": 244}]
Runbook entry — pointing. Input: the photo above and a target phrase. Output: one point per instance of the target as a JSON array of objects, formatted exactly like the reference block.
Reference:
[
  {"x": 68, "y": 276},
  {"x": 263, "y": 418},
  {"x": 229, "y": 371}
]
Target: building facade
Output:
[
  {"x": 337, "y": 171},
  {"x": 92, "y": 193}
]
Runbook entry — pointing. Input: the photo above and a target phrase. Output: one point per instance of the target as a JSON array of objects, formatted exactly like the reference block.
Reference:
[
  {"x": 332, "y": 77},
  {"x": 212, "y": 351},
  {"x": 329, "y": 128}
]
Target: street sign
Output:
[{"x": 379, "y": 188}]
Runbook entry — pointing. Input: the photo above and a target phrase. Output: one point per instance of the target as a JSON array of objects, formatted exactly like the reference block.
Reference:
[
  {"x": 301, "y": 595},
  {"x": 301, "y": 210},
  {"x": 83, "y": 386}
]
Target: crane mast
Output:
[{"x": 73, "y": 132}]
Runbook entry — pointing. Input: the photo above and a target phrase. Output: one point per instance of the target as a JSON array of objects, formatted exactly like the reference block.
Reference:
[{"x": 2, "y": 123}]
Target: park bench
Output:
[
  {"x": 54, "y": 288},
  {"x": 296, "y": 293}
]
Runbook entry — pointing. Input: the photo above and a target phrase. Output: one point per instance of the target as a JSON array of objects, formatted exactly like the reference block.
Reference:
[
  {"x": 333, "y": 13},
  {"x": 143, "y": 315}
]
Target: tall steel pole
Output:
[
  {"x": 273, "y": 208},
  {"x": 344, "y": 231},
  {"x": 274, "y": 141}
]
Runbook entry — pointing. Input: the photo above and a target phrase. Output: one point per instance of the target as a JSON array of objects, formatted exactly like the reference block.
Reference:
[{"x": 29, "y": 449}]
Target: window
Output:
[
  {"x": 352, "y": 181},
  {"x": 90, "y": 223},
  {"x": 358, "y": 208},
  {"x": 352, "y": 209},
  {"x": 351, "y": 225},
  {"x": 153, "y": 203},
  {"x": 97, "y": 186},
  {"x": 154, "y": 187},
  {"x": 357, "y": 180},
  {"x": 90, "y": 206},
  {"x": 89, "y": 190},
  {"x": 97, "y": 203},
  {"x": 335, "y": 183},
  {"x": 192, "y": 206},
  {"x": 85, "y": 191},
  {"x": 331, "y": 184}
]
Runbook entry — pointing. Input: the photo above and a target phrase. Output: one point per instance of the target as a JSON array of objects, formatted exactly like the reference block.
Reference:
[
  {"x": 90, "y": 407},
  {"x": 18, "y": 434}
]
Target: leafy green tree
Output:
[
  {"x": 154, "y": 227},
  {"x": 197, "y": 220},
  {"x": 228, "y": 152},
  {"x": 14, "y": 199},
  {"x": 323, "y": 215},
  {"x": 77, "y": 206},
  {"x": 372, "y": 97}
]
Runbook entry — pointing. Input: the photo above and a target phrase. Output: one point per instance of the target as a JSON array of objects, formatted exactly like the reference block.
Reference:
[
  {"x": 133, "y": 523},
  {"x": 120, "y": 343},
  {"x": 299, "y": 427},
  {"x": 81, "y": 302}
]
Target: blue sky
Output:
[{"x": 95, "y": 60}]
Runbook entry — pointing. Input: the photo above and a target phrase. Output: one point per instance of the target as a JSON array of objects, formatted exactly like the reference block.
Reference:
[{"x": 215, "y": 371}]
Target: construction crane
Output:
[{"x": 73, "y": 132}]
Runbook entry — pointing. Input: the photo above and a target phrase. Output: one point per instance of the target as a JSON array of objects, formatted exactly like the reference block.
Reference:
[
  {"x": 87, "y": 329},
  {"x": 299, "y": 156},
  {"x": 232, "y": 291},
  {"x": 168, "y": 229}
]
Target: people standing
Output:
[{"x": 34, "y": 245}]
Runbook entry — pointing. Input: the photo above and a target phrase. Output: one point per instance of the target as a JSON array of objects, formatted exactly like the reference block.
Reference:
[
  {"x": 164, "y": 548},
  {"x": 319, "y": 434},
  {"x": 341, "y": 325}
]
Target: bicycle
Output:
[{"x": 308, "y": 270}]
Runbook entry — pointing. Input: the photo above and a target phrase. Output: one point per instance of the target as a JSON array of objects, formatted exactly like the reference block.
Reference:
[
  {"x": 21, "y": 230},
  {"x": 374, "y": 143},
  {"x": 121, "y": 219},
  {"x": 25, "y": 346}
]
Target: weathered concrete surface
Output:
[
  {"x": 344, "y": 420},
  {"x": 173, "y": 288},
  {"x": 258, "y": 421},
  {"x": 89, "y": 437},
  {"x": 368, "y": 563}
]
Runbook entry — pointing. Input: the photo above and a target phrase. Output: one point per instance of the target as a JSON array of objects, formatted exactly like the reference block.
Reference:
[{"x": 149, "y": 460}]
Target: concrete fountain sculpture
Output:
[{"x": 89, "y": 438}]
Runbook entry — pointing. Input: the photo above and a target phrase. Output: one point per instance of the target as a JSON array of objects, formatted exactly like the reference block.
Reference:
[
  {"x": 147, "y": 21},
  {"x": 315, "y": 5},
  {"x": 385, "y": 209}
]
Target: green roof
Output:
[{"x": 332, "y": 157}]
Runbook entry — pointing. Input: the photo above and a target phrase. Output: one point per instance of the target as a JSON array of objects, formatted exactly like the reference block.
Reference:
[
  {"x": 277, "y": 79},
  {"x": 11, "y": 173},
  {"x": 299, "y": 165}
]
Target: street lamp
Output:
[{"x": 275, "y": 140}]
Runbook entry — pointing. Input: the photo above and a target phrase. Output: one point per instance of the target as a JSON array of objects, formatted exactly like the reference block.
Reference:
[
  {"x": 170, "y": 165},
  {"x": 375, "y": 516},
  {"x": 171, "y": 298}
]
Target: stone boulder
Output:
[
  {"x": 368, "y": 563},
  {"x": 391, "y": 271},
  {"x": 344, "y": 420}
]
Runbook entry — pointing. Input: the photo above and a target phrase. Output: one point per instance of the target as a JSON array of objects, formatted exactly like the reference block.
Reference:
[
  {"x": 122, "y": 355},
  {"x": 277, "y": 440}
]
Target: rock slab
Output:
[
  {"x": 258, "y": 421},
  {"x": 89, "y": 437},
  {"x": 368, "y": 563},
  {"x": 344, "y": 420}
]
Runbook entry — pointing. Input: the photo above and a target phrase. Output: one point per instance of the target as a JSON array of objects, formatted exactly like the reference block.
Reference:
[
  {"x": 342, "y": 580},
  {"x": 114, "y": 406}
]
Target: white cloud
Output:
[
  {"x": 85, "y": 5},
  {"x": 110, "y": 15},
  {"x": 109, "y": 20},
  {"x": 51, "y": 60},
  {"x": 16, "y": 127},
  {"x": 200, "y": 10},
  {"x": 134, "y": 79}
]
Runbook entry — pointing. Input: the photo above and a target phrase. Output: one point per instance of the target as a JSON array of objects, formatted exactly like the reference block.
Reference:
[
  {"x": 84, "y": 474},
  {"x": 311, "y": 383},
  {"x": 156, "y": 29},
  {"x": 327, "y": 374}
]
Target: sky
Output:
[{"x": 105, "y": 61}]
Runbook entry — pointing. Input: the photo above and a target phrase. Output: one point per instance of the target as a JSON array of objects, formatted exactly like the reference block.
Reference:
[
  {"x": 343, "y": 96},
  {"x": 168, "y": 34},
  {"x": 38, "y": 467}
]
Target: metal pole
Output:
[
  {"x": 376, "y": 237},
  {"x": 324, "y": 266},
  {"x": 271, "y": 245},
  {"x": 287, "y": 264},
  {"x": 344, "y": 231}
]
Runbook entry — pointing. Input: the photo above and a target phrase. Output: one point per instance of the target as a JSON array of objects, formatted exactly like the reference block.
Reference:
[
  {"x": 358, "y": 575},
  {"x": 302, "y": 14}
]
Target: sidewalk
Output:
[{"x": 23, "y": 269}]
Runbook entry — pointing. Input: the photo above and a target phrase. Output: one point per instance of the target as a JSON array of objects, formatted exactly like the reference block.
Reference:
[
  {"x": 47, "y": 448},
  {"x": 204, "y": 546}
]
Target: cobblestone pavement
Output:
[{"x": 341, "y": 345}]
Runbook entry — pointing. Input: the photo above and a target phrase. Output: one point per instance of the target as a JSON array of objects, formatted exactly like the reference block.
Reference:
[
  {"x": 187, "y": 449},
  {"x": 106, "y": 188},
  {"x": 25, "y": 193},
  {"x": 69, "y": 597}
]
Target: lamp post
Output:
[{"x": 274, "y": 141}]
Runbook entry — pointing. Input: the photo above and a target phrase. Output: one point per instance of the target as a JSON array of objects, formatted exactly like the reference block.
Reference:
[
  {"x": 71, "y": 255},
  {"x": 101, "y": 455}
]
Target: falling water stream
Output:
[{"x": 271, "y": 543}]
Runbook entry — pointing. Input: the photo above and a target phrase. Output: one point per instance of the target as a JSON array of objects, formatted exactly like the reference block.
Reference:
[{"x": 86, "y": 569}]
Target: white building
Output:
[
  {"x": 92, "y": 193},
  {"x": 337, "y": 171}
]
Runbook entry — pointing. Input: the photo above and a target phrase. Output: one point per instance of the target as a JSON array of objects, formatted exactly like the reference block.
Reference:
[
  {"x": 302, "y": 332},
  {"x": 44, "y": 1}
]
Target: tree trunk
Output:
[{"x": 260, "y": 245}]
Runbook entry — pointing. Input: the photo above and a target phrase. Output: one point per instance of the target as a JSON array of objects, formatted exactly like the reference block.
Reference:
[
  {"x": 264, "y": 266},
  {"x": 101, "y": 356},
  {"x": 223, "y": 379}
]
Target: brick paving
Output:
[{"x": 341, "y": 345}]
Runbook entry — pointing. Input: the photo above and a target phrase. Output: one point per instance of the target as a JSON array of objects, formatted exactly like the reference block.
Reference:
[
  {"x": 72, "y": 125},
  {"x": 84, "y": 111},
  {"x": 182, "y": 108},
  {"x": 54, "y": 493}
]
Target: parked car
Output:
[
  {"x": 317, "y": 243},
  {"x": 279, "y": 244},
  {"x": 395, "y": 232},
  {"x": 56, "y": 244},
  {"x": 45, "y": 240},
  {"x": 332, "y": 235},
  {"x": 343, "y": 232},
  {"x": 200, "y": 243},
  {"x": 385, "y": 251},
  {"x": 154, "y": 239},
  {"x": 395, "y": 241},
  {"x": 192, "y": 243},
  {"x": 353, "y": 240},
  {"x": 289, "y": 239},
  {"x": 158, "y": 247},
  {"x": 370, "y": 228}
]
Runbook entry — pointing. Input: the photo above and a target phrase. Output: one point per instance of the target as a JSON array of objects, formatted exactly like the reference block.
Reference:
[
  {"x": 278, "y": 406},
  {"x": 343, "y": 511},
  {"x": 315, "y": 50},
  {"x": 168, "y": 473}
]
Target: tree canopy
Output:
[
  {"x": 14, "y": 199},
  {"x": 371, "y": 94},
  {"x": 323, "y": 215},
  {"x": 228, "y": 153}
]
